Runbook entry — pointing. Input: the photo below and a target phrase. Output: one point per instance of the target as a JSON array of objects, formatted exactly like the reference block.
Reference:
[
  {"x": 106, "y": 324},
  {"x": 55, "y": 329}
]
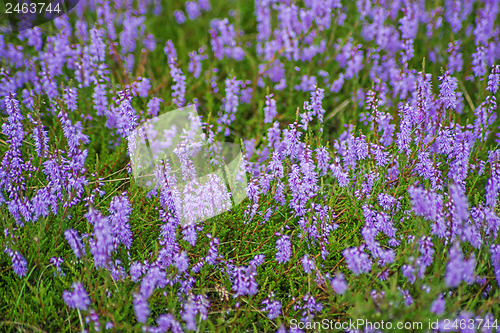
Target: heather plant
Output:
[{"x": 370, "y": 137}]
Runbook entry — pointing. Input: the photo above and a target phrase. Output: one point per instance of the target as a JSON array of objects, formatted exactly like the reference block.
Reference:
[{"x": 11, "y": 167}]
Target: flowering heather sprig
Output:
[
  {"x": 283, "y": 249},
  {"x": 140, "y": 87},
  {"x": 307, "y": 263},
  {"x": 195, "y": 59},
  {"x": 427, "y": 252},
  {"x": 180, "y": 18},
  {"x": 479, "y": 61},
  {"x": 73, "y": 133},
  {"x": 141, "y": 308},
  {"x": 78, "y": 298},
  {"x": 57, "y": 261},
  {"x": 222, "y": 40},
  {"x": 205, "y": 5},
  {"x": 494, "y": 79},
  {"x": 11, "y": 175},
  {"x": 154, "y": 106},
  {"x": 136, "y": 271},
  {"x": 75, "y": 242},
  {"x": 213, "y": 251},
  {"x": 408, "y": 272},
  {"x": 408, "y": 300},
  {"x": 170, "y": 50},
  {"x": 179, "y": 88},
  {"x": 270, "y": 109},
  {"x": 357, "y": 260},
  {"x": 70, "y": 96},
  {"x": 126, "y": 117},
  {"x": 447, "y": 94},
  {"x": 459, "y": 269},
  {"x": 19, "y": 264},
  {"x": 192, "y": 9},
  {"x": 309, "y": 307},
  {"x": 271, "y": 306},
  {"x": 244, "y": 281},
  {"x": 154, "y": 278},
  {"x": 426, "y": 203},
  {"x": 194, "y": 305},
  {"x": 439, "y": 305},
  {"x": 338, "y": 283},
  {"x": 455, "y": 61},
  {"x": 230, "y": 103},
  {"x": 102, "y": 246},
  {"x": 120, "y": 210}
]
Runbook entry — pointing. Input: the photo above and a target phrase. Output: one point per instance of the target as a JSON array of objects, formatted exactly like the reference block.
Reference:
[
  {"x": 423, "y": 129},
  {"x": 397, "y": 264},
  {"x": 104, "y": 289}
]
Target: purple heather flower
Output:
[
  {"x": 141, "y": 308},
  {"x": 426, "y": 203},
  {"x": 270, "y": 109},
  {"x": 425, "y": 248},
  {"x": 272, "y": 307},
  {"x": 257, "y": 260},
  {"x": 179, "y": 16},
  {"x": 283, "y": 249},
  {"x": 457, "y": 268},
  {"x": 447, "y": 94},
  {"x": 479, "y": 62},
  {"x": 244, "y": 281},
  {"x": 136, "y": 271},
  {"x": 100, "y": 99},
  {"x": 307, "y": 83},
  {"x": 170, "y": 50},
  {"x": 189, "y": 233},
  {"x": 154, "y": 278},
  {"x": 19, "y": 264},
  {"x": 75, "y": 242},
  {"x": 192, "y": 9},
  {"x": 78, "y": 298},
  {"x": 230, "y": 103},
  {"x": 204, "y": 5},
  {"x": 70, "y": 96},
  {"x": 357, "y": 260},
  {"x": 494, "y": 79},
  {"x": 439, "y": 305},
  {"x": 127, "y": 117},
  {"x": 181, "y": 261},
  {"x": 150, "y": 42},
  {"x": 179, "y": 88},
  {"x": 307, "y": 263},
  {"x": 195, "y": 304},
  {"x": 57, "y": 261},
  {"x": 408, "y": 272},
  {"x": 338, "y": 283},
  {"x": 407, "y": 297},
  {"x": 102, "y": 246},
  {"x": 222, "y": 40},
  {"x": 213, "y": 251},
  {"x": 154, "y": 106},
  {"x": 337, "y": 84},
  {"x": 455, "y": 62},
  {"x": 41, "y": 138},
  {"x": 140, "y": 87},
  {"x": 195, "y": 59},
  {"x": 120, "y": 210}
]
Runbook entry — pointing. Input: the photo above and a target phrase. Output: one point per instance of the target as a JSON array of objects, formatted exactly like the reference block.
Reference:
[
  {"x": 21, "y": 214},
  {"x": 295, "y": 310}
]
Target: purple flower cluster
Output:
[{"x": 78, "y": 298}]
